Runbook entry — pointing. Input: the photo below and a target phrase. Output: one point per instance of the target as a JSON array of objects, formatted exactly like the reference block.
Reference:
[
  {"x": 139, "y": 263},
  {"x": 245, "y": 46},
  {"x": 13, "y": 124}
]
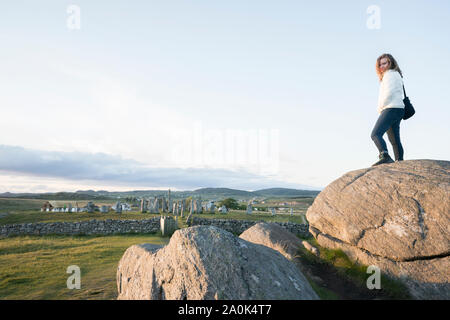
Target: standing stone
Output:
[
  {"x": 174, "y": 208},
  {"x": 104, "y": 209},
  {"x": 195, "y": 205},
  {"x": 249, "y": 208},
  {"x": 169, "y": 203},
  {"x": 143, "y": 206},
  {"x": 189, "y": 219},
  {"x": 151, "y": 207},
  {"x": 273, "y": 211},
  {"x": 292, "y": 211},
  {"x": 90, "y": 207},
  {"x": 212, "y": 208},
  {"x": 192, "y": 207},
  {"x": 156, "y": 205},
  {"x": 223, "y": 209},
  {"x": 118, "y": 207},
  {"x": 168, "y": 225},
  {"x": 183, "y": 207},
  {"x": 163, "y": 205}
]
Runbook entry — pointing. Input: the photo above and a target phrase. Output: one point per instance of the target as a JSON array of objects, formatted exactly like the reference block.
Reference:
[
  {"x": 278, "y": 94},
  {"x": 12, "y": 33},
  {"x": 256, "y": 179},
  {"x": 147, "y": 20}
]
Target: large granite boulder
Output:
[
  {"x": 395, "y": 216},
  {"x": 205, "y": 262},
  {"x": 273, "y": 236}
]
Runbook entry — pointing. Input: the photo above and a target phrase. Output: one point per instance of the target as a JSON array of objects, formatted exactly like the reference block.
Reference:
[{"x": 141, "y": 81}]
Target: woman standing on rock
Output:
[{"x": 390, "y": 107}]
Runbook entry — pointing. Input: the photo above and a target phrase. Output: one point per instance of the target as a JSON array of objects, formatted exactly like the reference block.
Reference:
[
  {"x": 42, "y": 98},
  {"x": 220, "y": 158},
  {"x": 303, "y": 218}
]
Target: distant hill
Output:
[
  {"x": 263, "y": 193},
  {"x": 222, "y": 192},
  {"x": 285, "y": 192},
  {"x": 54, "y": 196},
  {"x": 203, "y": 193}
]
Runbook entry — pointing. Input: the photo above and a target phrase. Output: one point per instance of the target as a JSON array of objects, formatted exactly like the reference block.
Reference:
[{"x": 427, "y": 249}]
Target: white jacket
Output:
[{"x": 391, "y": 91}]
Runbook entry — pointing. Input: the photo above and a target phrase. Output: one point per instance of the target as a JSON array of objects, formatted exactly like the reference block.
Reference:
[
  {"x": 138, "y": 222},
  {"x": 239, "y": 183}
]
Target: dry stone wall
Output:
[
  {"x": 113, "y": 226},
  {"x": 108, "y": 226}
]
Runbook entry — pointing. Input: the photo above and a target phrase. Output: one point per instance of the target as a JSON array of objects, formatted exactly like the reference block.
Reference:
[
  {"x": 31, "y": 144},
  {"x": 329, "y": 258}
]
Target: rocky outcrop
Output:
[
  {"x": 273, "y": 236},
  {"x": 206, "y": 263},
  {"x": 395, "y": 216}
]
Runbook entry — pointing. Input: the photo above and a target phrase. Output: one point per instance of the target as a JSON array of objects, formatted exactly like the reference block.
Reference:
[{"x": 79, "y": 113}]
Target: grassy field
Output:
[
  {"x": 8, "y": 204},
  {"x": 37, "y": 216},
  {"x": 34, "y": 267}
]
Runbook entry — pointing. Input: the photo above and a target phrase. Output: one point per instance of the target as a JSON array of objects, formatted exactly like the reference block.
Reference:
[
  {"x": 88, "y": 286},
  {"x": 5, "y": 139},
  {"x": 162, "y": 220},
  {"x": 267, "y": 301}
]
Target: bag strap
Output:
[{"x": 404, "y": 92}]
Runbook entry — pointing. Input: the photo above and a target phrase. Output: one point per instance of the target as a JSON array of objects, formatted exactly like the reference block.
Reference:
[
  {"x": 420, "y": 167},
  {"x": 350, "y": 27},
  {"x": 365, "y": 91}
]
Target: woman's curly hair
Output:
[{"x": 392, "y": 65}]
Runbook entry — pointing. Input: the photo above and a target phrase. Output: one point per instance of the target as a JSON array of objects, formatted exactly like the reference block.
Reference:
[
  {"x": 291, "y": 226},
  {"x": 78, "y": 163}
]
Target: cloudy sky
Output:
[{"x": 121, "y": 95}]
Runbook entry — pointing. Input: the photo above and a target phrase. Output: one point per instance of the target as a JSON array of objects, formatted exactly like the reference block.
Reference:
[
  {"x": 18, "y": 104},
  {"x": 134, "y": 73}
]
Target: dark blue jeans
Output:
[{"x": 389, "y": 121}]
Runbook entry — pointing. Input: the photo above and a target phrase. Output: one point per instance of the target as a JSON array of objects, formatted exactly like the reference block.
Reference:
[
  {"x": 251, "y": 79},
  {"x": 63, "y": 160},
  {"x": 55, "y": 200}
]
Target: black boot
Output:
[{"x": 384, "y": 158}]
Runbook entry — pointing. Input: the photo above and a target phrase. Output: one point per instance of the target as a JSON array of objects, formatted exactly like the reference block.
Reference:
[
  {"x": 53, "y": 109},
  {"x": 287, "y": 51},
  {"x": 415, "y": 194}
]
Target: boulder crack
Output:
[
  {"x": 371, "y": 228},
  {"x": 421, "y": 212},
  {"x": 356, "y": 178}
]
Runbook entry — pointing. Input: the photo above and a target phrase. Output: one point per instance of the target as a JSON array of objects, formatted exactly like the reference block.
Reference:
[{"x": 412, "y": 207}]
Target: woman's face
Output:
[{"x": 384, "y": 64}]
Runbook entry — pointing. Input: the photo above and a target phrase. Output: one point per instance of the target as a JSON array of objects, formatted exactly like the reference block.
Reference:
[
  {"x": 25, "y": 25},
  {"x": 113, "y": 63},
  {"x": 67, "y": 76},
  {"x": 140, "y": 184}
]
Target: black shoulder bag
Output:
[{"x": 409, "y": 109}]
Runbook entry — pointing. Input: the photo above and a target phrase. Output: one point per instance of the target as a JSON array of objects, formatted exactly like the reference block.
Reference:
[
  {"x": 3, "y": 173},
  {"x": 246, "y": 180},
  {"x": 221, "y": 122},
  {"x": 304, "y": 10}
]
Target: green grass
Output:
[
  {"x": 323, "y": 293},
  {"x": 34, "y": 216},
  {"x": 34, "y": 267},
  {"x": 7, "y": 204}
]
